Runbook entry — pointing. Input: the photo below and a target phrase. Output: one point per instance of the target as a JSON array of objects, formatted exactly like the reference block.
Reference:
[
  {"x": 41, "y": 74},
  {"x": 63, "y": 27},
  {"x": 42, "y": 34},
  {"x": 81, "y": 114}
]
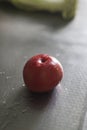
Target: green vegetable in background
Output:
[{"x": 67, "y": 7}]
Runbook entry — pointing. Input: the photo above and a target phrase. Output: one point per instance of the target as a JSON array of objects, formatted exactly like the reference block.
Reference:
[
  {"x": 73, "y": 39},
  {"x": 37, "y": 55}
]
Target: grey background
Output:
[{"x": 23, "y": 35}]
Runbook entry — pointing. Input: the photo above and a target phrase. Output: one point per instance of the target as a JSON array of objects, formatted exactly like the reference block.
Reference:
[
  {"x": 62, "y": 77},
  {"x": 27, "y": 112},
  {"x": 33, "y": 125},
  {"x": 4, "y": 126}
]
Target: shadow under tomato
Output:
[
  {"x": 26, "y": 109},
  {"x": 39, "y": 101}
]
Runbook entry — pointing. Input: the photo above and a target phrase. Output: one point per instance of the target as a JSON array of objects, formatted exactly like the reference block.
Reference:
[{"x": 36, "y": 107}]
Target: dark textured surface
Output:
[{"x": 23, "y": 35}]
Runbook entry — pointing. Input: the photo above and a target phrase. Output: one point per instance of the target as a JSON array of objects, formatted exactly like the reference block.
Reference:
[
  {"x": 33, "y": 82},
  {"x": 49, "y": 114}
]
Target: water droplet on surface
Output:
[
  {"x": 23, "y": 85},
  {"x": 25, "y": 57},
  {"x": 57, "y": 54},
  {"x": 24, "y": 110},
  {"x": 8, "y": 77},
  {"x": 13, "y": 88},
  {"x": 2, "y": 72},
  {"x": 66, "y": 89},
  {"x": 4, "y": 102}
]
